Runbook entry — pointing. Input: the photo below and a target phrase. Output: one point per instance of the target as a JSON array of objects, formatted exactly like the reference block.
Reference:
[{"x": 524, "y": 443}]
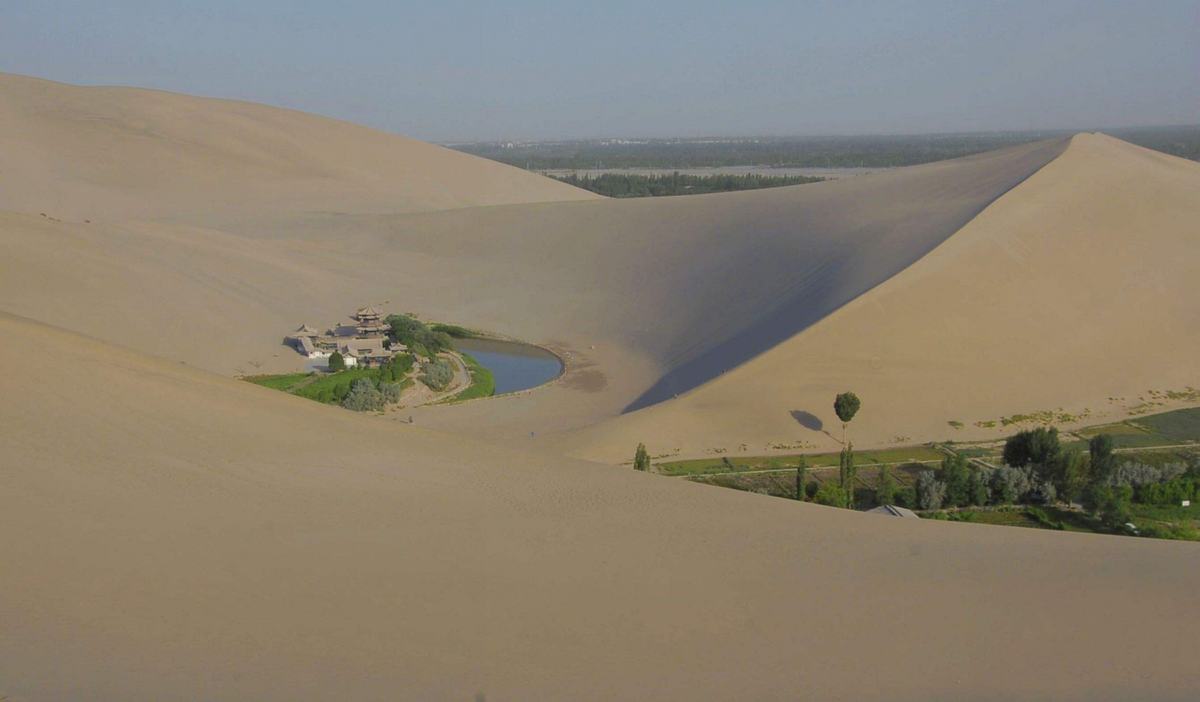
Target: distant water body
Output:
[{"x": 514, "y": 366}]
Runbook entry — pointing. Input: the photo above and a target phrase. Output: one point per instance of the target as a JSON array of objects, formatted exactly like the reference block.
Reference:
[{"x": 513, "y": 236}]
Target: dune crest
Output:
[{"x": 119, "y": 153}]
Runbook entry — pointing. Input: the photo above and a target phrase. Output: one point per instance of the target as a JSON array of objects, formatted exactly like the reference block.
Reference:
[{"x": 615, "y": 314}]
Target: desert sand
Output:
[{"x": 172, "y": 532}]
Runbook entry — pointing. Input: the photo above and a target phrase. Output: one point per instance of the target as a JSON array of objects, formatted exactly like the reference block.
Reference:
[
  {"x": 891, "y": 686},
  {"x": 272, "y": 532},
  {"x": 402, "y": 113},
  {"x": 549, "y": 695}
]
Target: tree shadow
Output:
[{"x": 808, "y": 420}]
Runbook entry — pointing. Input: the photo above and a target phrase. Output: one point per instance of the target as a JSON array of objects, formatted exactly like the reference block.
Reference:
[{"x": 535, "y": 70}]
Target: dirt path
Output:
[{"x": 421, "y": 394}]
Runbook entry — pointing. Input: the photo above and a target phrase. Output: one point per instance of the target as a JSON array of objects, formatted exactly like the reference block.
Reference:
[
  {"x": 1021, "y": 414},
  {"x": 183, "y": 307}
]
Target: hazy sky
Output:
[{"x": 445, "y": 70}]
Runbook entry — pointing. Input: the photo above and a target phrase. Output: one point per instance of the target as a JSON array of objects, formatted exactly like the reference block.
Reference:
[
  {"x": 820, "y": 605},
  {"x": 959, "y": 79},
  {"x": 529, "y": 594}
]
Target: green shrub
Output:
[
  {"x": 454, "y": 331},
  {"x": 391, "y": 392},
  {"x": 1039, "y": 515},
  {"x": 401, "y": 364},
  {"x": 831, "y": 494},
  {"x": 437, "y": 374},
  {"x": 418, "y": 337},
  {"x": 885, "y": 490},
  {"x": 363, "y": 397},
  {"x": 1171, "y": 492},
  {"x": 336, "y": 362},
  {"x": 906, "y": 497},
  {"x": 930, "y": 491}
]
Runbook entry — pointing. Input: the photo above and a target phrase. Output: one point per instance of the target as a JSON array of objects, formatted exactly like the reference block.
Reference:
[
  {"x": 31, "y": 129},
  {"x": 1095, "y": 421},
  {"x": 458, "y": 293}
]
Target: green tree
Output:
[
  {"x": 846, "y": 406},
  {"x": 930, "y": 492},
  {"x": 885, "y": 489},
  {"x": 955, "y": 473},
  {"x": 847, "y": 472},
  {"x": 1033, "y": 446},
  {"x": 1070, "y": 475},
  {"x": 1100, "y": 448},
  {"x": 336, "y": 362},
  {"x": 641, "y": 459},
  {"x": 978, "y": 488},
  {"x": 1114, "y": 506},
  {"x": 801, "y": 478}
]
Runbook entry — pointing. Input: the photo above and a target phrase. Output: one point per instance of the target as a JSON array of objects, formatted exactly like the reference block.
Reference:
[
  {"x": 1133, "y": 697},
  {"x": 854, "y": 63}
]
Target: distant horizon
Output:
[
  {"x": 645, "y": 137},
  {"x": 830, "y": 135},
  {"x": 455, "y": 72}
]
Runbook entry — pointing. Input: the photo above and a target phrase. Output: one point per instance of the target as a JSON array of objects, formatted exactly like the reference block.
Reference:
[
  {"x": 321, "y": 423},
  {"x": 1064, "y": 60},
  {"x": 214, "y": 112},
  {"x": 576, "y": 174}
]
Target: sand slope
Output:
[
  {"x": 1075, "y": 291},
  {"x": 99, "y": 152},
  {"x": 172, "y": 534},
  {"x": 736, "y": 303},
  {"x": 670, "y": 292}
]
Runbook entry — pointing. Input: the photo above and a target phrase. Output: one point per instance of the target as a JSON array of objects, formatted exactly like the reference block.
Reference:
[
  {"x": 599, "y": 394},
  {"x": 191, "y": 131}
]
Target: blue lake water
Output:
[{"x": 515, "y": 366}]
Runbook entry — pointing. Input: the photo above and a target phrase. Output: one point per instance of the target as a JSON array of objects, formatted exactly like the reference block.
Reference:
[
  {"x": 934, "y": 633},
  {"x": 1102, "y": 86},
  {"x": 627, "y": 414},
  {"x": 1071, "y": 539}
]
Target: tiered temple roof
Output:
[{"x": 368, "y": 322}]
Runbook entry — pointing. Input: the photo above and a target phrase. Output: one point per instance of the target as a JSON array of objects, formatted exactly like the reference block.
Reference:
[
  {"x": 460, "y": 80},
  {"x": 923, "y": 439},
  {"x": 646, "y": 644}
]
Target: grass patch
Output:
[
  {"x": 483, "y": 383},
  {"x": 1175, "y": 427},
  {"x": 334, "y": 386},
  {"x": 279, "y": 382},
  {"x": 1178, "y": 426},
  {"x": 329, "y": 388},
  {"x": 1167, "y": 521}
]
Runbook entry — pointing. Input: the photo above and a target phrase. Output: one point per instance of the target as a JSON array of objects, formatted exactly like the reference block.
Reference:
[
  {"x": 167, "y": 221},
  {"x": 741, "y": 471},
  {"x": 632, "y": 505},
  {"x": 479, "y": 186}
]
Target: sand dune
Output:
[
  {"x": 174, "y": 533},
  {"x": 1075, "y": 292},
  {"x": 171, "y": 533},
  {"x": 104, "y": 153}
]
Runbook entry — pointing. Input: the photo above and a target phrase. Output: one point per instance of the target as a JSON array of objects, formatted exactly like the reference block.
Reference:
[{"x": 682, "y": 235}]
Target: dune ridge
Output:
[{"x": 126, "y": 153}]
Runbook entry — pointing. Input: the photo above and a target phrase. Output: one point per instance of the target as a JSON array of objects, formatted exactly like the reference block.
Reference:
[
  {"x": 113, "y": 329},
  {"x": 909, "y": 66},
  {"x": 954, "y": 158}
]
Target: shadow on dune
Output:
[
  {"x": 839, "y": 249},
  {"x": 808, "y": 420}
]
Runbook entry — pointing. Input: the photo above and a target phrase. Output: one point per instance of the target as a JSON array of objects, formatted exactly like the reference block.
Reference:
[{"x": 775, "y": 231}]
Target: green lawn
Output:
[
  {"x": 729, "y": 464},
  {"x": 1167, "y": 522},
  {"x": 325, "y": 387},
  {"x": 1175, "y": 427},
  {"x": 279, "y": 382}
]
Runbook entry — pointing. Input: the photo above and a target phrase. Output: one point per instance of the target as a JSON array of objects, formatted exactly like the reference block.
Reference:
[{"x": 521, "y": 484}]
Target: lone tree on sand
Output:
[
  {"x": 336, "y": 362},
  {"x": 641, "y": 459},
  {"x": 846, "y": 405}
]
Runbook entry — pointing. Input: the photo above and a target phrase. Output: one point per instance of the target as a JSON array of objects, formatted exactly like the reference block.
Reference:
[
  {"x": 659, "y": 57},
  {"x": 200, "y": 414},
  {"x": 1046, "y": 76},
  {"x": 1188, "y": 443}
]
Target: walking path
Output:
[{"x": 421, "y": 394}]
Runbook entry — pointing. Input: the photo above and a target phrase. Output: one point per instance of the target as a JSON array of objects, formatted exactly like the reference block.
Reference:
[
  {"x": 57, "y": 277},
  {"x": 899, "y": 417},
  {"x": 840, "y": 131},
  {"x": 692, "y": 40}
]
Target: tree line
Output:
[
  {"x": 1036, "y": 470},
  {"x": 658, "y": 185}
]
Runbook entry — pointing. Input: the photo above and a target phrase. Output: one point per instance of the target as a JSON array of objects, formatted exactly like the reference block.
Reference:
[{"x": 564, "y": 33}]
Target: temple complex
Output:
[{"x": 361, "y": 341}]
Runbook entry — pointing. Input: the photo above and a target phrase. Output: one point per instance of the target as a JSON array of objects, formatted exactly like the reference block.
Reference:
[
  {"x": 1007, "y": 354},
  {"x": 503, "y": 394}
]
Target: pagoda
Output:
[{"x": 369, "y": 323}]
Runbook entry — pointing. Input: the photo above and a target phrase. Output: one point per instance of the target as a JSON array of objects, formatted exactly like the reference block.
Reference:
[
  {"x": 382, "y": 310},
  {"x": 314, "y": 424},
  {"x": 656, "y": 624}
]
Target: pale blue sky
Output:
[{"x": 531, "y": 69}]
